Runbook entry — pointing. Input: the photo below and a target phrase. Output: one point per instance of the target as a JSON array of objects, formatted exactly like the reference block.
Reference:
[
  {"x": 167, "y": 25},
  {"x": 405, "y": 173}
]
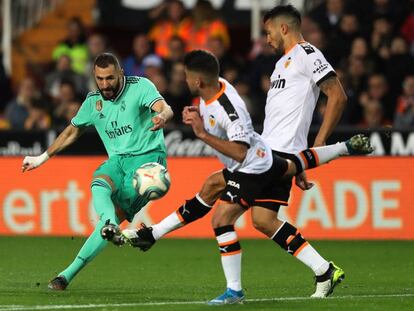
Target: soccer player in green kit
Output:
[{"x": 128, "y": 113}]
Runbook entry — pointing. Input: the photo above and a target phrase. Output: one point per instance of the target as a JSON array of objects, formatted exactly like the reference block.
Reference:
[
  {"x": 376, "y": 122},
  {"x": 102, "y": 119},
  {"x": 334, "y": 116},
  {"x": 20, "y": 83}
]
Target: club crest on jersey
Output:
[
  {"x": 98, "y": 105},
  {"x": 287, "y": 62},
  {"x": 260, "y": 152},
  {"x": 211, "y": 120}
]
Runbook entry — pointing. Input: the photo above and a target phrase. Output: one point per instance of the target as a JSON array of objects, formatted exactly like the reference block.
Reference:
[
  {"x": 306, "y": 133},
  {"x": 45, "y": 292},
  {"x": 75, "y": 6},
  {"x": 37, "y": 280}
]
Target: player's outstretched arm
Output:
[
  {"x": 165, "y": 114},
  {"x": 335, "y": 105},
  {"x": 67, "y": 137}
]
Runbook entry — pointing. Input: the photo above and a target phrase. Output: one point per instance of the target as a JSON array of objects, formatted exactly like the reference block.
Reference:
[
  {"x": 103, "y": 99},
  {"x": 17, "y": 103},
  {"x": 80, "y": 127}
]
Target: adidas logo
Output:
[{"x": 101, "y": 115}]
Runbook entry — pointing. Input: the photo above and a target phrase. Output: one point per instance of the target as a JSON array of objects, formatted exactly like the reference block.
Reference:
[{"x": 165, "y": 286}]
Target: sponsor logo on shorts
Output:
[{"x": 234, "y": 184}]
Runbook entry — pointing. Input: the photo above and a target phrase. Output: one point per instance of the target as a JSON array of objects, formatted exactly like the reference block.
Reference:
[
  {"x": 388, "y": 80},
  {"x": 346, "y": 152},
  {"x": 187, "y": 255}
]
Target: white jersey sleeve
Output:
[
  {"x": 315, "y": 65},
  {"x": 233, "y": 125}
]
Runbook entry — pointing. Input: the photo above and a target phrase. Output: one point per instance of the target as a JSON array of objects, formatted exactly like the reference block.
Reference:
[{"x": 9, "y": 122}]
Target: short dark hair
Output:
[
  {"x": 202, "y": 62},
  {"x": 284, "y": 10},
  {"x": 103, "y": 60}
]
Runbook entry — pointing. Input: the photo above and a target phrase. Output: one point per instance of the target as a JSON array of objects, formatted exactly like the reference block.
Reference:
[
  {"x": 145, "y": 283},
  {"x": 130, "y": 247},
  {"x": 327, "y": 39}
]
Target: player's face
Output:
[
  {"x": 193, "y": 81},
  {"x": 273, "y": 35},
  {"x": 108, "y": 81}
]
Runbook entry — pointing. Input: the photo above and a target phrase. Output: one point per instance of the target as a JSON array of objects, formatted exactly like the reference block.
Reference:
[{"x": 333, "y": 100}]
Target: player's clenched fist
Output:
[{"x": 30, "y": 163}]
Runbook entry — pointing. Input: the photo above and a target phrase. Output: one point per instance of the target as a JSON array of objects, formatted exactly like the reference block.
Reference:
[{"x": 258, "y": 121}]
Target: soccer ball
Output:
[{"x": 151, "y": 181}]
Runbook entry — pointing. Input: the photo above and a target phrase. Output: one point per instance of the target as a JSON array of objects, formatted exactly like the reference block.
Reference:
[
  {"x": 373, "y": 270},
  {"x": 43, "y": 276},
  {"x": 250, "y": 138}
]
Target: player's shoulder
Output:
[
  {"x": 132, "y": 79},
  {"x": 228, "y": 102},
  {"x": 138, "y": 82},
  {"x": 93, "y": 94},
  {"x": 308, "y": 50}
]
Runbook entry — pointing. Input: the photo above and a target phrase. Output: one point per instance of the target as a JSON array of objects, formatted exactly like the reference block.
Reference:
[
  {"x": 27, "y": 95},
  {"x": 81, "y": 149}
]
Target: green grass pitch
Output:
[{"x": 182, "y": 274}]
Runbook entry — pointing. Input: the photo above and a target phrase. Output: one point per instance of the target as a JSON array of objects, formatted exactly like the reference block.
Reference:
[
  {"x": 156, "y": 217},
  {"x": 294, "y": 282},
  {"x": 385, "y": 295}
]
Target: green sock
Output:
[
  {"x": 104, "y": 207},
  {"x": 92, "y": 247},
  {"x": 102, "y": 202}
]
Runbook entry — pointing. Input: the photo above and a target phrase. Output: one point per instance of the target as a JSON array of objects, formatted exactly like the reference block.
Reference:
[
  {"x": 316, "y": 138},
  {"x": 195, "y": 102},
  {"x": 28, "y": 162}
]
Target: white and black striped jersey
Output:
[
  {"x": 292, "y": 97},
  {"x": 226, "y": 117}
]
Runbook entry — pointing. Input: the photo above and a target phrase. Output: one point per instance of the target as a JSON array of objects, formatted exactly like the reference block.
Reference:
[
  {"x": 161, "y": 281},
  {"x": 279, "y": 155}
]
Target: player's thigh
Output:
[
  {"x": 111, "y": 170},
  {"x": 213, "y": 187},
  {"x": 127, "y": 198},
  {"x": 226, "y": 214}
]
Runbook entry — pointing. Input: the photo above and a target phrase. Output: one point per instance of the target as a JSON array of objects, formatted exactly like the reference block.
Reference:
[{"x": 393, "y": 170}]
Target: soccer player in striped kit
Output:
[{"x": 251, "y": 177}]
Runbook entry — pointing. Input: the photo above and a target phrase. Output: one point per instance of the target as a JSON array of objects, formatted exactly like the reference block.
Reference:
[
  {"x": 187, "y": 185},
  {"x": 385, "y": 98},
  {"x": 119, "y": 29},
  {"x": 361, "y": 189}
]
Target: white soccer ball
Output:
[{"x": 151, "y": 181}]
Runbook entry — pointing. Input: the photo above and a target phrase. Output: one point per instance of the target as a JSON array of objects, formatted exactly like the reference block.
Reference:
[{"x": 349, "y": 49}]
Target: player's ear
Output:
[
  {"x": 121, "y": 71},
  {"x": 284, "y": 28}
]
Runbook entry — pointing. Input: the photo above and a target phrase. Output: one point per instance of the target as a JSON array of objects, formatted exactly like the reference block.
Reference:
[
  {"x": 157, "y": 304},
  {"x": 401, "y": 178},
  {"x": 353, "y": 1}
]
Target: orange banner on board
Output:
[{"x": 353, "y": 198}]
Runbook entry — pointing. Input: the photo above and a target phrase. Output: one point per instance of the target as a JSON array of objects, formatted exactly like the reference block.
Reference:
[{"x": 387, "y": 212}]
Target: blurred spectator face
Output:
[
  {"x": 160, "y": 83},
  {"x": 408, "y": 86},
  {"x": 75, "y": 29},
  {"x": 356, "y": 67},
  {"x": 176, "y": 48},
  {"x": 66, "y": 92},
  {"x": 203, "y": 11},
  {"x": 399, "y": 46},
  {"x": 381, "y": 3},
  {"x": 349, "y": 24},
  {"x": 108, "y": 80},
  {"x": 231, "y": 74},
  {"x": 242, "y": 88},
  {"x": 27, "y": 89},
  {"x": 373, "y": 114},
  {"x": 96, "y": 45},
  {"x": 63, "y": 63},
  {"x": 359, "y": 47},
  {"x": 71, "y": 110},
  {"x": 216, "y": 46},
  {"x": 316, "y": 38},
  {"x": 334, "y": 7},
  {"x": 377, "y": 86},
  {"x": 152, "y": 65},
  {"x": 178, "y": 73},
  {"x": 381, "y": 26},
  {"x": 176, "y": 10},
  {"x": 308, "y": 26},
  {"x": 140, "y": 46}
]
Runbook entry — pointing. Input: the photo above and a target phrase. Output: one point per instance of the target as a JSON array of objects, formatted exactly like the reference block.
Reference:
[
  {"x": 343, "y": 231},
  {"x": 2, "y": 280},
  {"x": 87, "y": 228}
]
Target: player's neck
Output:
[
  {"x": 210, "y": 92},
  {"x": 292, "y": 40}
]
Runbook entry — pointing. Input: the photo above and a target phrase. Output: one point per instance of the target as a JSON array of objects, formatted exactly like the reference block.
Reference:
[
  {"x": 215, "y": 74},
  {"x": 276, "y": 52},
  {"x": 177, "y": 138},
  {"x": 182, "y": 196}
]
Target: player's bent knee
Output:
[
  {"x": 212, "y": 188},
  {"x": 103, "y": 180}
]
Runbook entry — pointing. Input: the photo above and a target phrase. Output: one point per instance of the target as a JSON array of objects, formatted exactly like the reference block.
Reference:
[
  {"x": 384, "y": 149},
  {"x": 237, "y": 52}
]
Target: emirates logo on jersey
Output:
[
  {"x": 212, "y": 120},
  {"x": 98, "y": 105}
]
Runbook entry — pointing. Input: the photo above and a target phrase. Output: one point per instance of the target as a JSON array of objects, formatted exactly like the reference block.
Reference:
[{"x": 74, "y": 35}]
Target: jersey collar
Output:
[
  {"x": 300, "y": 42},
  {"x": 223, "y": 87},
  {"x": 120, "y": 91}
]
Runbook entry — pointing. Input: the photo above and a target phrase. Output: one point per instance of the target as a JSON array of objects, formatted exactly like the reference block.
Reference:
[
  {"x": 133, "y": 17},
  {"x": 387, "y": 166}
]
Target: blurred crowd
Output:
[{"x": 369, "y": 43}]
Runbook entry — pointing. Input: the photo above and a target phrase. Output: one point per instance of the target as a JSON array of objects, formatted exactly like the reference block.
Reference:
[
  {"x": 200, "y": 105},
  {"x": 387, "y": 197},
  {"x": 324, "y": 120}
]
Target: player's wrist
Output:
[{"x": 43, "y": 157}]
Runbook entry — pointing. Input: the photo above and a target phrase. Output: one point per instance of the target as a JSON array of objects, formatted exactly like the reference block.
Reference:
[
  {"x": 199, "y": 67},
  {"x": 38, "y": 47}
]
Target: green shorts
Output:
[{"x": 121, "y": 168}]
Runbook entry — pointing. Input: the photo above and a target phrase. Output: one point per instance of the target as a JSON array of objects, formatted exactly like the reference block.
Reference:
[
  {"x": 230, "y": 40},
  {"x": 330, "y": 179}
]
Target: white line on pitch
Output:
[{"x": 164, "y": 303}]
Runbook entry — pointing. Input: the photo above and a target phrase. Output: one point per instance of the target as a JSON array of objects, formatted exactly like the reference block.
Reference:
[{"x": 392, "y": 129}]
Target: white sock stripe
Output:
[
  {"x": 202, "y": 201},
  {"x": 227, "y": 237},
  {"x": 278, "y": 230}
]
